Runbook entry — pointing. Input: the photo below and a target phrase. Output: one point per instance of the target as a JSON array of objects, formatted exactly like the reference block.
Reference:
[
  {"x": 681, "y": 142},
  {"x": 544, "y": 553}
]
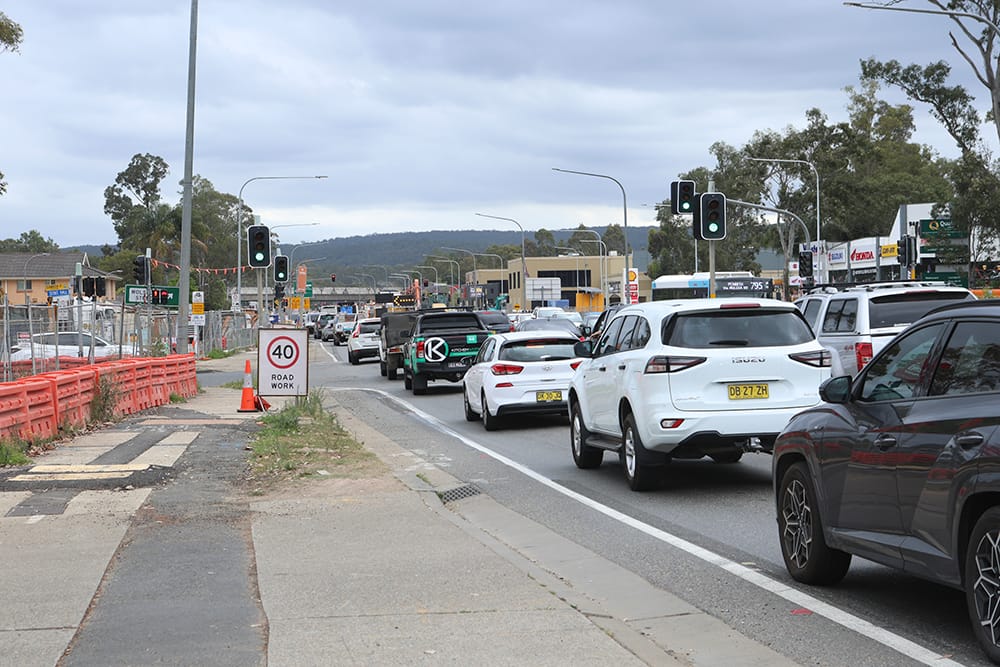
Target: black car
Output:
[
  {"x": 900, "y": 465},
  {"x": 495, "y": 320}
]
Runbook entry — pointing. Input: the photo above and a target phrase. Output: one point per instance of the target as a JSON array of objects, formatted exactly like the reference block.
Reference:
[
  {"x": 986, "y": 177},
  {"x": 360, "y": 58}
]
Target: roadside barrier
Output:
[{"x": 39, "y": 407}]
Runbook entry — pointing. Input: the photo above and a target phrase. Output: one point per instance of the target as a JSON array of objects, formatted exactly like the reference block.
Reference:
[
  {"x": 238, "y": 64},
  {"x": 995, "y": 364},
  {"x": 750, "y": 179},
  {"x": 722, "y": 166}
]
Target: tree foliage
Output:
[
  {"x": 11, "y": 35},
  {"x": 30, "y": 241}
]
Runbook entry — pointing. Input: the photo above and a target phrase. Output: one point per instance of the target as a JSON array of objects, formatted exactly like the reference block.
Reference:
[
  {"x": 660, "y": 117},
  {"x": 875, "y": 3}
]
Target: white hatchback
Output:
[
  {"x": 524, "y": 372},
  {"x": 363, "y": 341},
  {"x": 65, "y": 344},
  {"x": 688, "y": 378}
]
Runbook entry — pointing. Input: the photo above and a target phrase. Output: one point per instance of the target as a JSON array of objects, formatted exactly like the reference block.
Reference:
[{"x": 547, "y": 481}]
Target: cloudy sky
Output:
[{"x": 422, "y": 113}]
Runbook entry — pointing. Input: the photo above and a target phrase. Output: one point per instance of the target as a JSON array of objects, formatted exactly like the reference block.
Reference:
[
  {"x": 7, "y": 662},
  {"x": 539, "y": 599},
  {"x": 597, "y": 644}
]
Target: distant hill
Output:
[{"x": 404, "y": 249}]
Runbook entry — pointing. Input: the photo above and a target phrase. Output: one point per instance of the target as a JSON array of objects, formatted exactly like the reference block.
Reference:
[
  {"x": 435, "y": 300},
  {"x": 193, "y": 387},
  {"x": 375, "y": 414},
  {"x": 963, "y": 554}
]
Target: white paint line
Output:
[
  {"x": 329, "y": 353},
  {"x": 782, "y": 590}
]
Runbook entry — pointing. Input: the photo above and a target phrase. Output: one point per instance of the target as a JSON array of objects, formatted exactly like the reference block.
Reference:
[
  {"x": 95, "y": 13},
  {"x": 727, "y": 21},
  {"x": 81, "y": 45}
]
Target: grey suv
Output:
[
  {"x": 899, "y": 465},
  {"x": 855, "y": 322}
]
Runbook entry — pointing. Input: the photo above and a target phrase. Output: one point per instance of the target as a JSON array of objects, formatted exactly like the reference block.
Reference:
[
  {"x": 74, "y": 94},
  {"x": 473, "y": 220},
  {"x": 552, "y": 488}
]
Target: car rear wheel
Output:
[
  {"x": 470, "y": 414},
  {"x": 490, "y": 422},
  {"x": 407, "y": 381},
  {"x": 982, "y": 581},
  {"x": 419, "y": 382},
  {"x": 382, "y": 368},
  {"x": 640, "y": 475},
  {"x": 584, "y": 456},
  {"x": 353, "y": 358},
  {"x": 800, "y": 528}
]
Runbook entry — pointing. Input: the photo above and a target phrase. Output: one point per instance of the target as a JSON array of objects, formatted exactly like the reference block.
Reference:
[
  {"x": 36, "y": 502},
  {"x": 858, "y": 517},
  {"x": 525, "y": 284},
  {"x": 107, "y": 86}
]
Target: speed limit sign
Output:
[{"x": 283, "y": 362}]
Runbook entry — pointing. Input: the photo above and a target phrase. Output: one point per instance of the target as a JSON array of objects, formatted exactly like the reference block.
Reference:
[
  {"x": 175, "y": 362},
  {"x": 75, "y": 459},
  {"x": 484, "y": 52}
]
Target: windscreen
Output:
[
  {"x": 894, "y": 310},
  {"x": 456, "y": 321},
  {"x": 756, "y": 327}
]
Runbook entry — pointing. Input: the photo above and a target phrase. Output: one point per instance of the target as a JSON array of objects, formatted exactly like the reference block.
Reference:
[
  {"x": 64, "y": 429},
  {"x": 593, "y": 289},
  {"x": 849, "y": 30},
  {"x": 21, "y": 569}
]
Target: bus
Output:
[{"x": 727, "y": 283}]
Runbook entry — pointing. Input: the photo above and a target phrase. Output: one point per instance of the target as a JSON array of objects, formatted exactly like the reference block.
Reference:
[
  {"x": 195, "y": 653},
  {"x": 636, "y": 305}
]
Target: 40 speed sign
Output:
[{"x": 283, "y": 360}]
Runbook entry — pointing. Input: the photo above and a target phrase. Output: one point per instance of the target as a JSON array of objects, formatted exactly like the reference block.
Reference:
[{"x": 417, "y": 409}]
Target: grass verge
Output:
[{"x": 304, "y": 441}]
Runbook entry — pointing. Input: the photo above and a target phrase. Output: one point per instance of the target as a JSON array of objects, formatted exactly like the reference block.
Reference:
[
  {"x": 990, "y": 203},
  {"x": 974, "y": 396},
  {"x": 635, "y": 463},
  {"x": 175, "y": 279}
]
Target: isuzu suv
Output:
[{"x": 691, "y": 378}]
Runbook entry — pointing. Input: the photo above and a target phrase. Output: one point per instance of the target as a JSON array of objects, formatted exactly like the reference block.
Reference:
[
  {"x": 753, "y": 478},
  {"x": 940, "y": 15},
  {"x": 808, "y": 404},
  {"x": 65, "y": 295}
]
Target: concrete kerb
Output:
[{"x": 654, "y": 625}]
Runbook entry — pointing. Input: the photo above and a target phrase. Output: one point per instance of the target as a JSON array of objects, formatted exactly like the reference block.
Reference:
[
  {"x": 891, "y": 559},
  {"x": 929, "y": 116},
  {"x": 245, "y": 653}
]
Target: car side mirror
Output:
[
  {"x": 585, "y": 329},
  {"x": 836, "y": 390},
  {"x": 583, "y": 349}
]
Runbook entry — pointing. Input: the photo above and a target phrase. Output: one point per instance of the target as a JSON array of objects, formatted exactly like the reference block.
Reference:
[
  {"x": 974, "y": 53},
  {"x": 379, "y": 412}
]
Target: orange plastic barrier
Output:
[{"x": 36, "y": 407}]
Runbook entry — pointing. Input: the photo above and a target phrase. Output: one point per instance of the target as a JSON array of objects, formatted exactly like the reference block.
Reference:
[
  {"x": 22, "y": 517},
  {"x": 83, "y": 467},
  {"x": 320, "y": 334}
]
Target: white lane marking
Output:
[
  {"x": 329, "y": 353},
  {"x": 799, "y": 598}
]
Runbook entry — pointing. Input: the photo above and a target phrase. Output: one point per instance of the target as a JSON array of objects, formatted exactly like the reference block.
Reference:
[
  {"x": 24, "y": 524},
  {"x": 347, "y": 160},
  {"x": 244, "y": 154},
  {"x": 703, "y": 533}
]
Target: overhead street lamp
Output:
[
  {"x": 450, "y": 261},
  {"x": 602, "y": 250},
  {"x": 239, "y": 229},
  {"x": 378, "y": 266},
  {"x": 524, "y": 264},
  {"x": 432, "y": 268},
  {"x": 475, "y": 271},
  {"x": 815, "y": 171},
  {"x": 628, "y": 296}
]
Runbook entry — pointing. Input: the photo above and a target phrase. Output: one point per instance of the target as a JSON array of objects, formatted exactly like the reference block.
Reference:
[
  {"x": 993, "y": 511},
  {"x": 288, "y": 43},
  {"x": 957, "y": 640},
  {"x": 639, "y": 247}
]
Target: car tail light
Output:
[
  {"x": 504, "y": 385},
  {"x": 505, "y": 369},
  {"x": 356, "y": 333},
  {"x": 575, "y": 364},
  {"x": 739, "y": 305},
  {"x": 671, "y": 364},
  {"x": 420, "y": 349},
  {"x": 670, "y": 423},
  {"x": 863, "y": 352},
  {"x": 818, "y": 358}
]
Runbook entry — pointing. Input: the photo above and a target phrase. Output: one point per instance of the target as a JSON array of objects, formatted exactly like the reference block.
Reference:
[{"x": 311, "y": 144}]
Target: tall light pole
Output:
[
  {"x": 450, "y": 274},
  {"x": 628, "y": 295},
  {"x": 602, "y": 250},
  {"x": 378, "y": 266},
  {"x": 816, "y": 173},
  {"x": 524, "y": 264},
  {"x": 576, "y": 278},
  {"x": 475, "y": 271},
  {"x": 27, "y": 307},
  {"x": 239, "y": 231}
]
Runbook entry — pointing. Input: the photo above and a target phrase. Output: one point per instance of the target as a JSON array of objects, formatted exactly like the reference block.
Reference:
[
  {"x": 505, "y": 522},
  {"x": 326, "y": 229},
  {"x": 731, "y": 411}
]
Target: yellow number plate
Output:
[
  {"x": 741, "y": 391},
  {"x": 548, "y": 396}
]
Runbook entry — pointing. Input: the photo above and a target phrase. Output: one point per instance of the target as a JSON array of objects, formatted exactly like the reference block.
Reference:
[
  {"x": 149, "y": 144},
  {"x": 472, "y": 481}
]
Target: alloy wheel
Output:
[
  {"x": 986, "y": 589},
  {"x": 797, "y": 523},
  {"x": 628, "y": 446}
]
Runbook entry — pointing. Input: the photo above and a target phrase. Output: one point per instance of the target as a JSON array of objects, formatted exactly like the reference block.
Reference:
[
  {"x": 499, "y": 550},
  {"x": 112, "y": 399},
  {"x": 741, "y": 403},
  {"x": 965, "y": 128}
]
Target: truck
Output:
[
  {"x": 396, "y": 327},
  {"x": 441, "y": 346}
]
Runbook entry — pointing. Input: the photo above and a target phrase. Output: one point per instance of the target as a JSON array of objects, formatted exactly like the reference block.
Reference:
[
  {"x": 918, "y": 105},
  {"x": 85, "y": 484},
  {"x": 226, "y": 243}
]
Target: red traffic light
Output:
[{"x": 333, "y": 277}]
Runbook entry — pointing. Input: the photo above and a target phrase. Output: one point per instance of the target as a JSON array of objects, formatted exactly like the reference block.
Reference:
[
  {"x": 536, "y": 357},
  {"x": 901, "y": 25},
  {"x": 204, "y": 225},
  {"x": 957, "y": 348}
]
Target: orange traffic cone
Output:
[{"x": 248, "y": 403}]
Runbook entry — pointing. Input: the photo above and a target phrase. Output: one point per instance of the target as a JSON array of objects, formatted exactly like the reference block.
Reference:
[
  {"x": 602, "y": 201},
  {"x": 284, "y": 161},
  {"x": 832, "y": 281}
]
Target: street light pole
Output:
[
  {"x": 524, "y": 263},
  {"x": 602, "y": 250},
  {"x": 27, "y": 307},
  {"x": 450, "y": 274},
  {"x": 576, "y": 278},
  {"x": 239, "y": 232},
  {"x": 816, "y": 173},
  {"x": 628, "y": 294},
  {"x": 475, "y": 271}
]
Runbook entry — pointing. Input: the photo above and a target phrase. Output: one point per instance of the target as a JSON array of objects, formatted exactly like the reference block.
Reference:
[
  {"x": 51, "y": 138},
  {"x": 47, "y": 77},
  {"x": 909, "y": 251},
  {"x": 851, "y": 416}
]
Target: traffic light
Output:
[
  {"x": 89, "y": 288},
  {"x": 280, "y": 268},
  {"x": 259, "y": 246},
  {"x": 682, "y": 197},
  {"x": 279, "y": 292},
  {"x": 158, "y": 296},
  {"x": 805, "y": 264},
  {"x": 141, "y": 270},
  {"x": 333, "y": 277},
  {"x": 710, "y": 216},
  {"x": 907, "y": 250},
  {"x": 426, "y": 282}
]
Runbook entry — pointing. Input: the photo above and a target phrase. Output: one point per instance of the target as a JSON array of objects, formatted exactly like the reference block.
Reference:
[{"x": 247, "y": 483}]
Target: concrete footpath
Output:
[{"x": 410, "y": 567}]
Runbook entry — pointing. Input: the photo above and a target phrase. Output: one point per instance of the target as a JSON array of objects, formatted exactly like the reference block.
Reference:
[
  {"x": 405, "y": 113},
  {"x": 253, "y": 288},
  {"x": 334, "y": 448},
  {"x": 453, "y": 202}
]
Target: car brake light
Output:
[
  {"x": 575, "y": 364},
  {"x": 420, "y": 349},
  {"x": 818, "y": 358},
  {"x": 505, "y": 369},
  {"x": 356, "y": 332},
  {"x": 671, "y": 364},
  {"x": 863, "y": 352},
  {"x": 740, "y": 305}
]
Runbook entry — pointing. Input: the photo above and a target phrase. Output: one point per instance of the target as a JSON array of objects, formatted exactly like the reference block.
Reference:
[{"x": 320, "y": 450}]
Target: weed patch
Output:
[{"x": 304, "y": 441}]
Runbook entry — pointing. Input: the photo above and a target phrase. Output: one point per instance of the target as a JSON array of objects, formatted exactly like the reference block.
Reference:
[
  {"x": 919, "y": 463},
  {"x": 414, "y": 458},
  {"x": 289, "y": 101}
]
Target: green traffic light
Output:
[
  {"x": 686, "y": 205},
  {"x": 713, "y": 227}
]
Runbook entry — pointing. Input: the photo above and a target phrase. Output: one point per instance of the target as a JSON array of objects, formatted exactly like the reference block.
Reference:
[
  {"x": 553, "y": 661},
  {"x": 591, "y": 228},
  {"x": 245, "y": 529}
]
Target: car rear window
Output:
[
  {"x": 893, "y": 310},
  {"x": 758, "y": 327},
  {"x": 456, "y": 321},
  {"x": 370, "y": 327},
  {"x": 538, "y": 350}
]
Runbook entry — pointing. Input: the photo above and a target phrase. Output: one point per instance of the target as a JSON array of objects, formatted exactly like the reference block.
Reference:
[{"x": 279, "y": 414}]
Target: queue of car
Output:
[{"x": 878, "y": 404}]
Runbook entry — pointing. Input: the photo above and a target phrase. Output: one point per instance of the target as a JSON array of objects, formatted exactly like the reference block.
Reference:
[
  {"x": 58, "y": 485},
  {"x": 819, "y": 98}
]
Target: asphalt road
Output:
[{"x": 707, "y": 534}]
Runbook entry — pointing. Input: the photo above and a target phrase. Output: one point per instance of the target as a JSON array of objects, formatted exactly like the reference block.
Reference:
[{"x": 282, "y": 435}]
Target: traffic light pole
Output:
[{"x": 711, "y": 253}]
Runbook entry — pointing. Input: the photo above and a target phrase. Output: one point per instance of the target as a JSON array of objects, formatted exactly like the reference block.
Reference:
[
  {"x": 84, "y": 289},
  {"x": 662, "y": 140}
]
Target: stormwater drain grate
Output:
[{"x": 458, "y": 493}]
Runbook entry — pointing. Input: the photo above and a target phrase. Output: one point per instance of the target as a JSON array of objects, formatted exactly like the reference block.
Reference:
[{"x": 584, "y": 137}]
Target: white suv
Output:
[
  {"x": 855, "y": 322},
  {"x": 689, "y": 378},
  {"x": 363, "y": 341}
]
